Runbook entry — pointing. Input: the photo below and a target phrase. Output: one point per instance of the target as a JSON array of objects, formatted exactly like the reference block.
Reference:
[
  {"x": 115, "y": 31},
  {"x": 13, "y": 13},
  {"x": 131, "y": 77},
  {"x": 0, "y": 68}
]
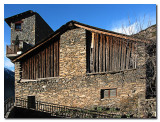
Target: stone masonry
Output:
[
  {"x": 33, "y": 30},
  {"x": 74, "y": 87}
]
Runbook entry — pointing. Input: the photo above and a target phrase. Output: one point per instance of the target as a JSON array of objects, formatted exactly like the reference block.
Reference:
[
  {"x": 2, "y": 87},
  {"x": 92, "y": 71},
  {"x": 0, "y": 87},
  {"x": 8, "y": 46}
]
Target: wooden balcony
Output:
[{"x": 11, "y": 51}]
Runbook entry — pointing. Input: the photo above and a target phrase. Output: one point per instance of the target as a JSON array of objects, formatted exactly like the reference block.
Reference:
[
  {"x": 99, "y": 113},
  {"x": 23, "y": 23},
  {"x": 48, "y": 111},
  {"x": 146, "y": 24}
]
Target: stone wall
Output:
[
  {"x": 73, "y": 53},
  {"x": 74, "y": 87},
  {"x": 17, "y": 66},
  {"x": 27, "y": 32},
  {"x": 33, "y": 30}
]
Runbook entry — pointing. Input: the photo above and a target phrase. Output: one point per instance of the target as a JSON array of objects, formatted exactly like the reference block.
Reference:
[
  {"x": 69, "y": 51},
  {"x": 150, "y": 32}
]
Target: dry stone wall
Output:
[{"x": 74, "y": 87}]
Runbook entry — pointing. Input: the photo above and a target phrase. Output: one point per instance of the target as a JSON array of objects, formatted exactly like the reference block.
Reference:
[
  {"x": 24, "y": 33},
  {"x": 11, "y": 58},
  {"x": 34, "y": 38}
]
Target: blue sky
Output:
[{"x": 106, "y": 16}]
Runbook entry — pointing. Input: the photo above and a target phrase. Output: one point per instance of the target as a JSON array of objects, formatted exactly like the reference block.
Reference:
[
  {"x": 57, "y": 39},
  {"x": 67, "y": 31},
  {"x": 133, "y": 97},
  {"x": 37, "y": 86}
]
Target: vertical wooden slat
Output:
[
  {"x": 37, "y": 66},
  {"x": 46, "y": 62},
  {"x": 116, "y": 54},
  {"x": 41, "y": 63},
  {"x": 42, "y": 58},
  {"x": 133, "y": 55},
  {"x": 55, "y": 58},
  {"x": 58, "y": 54},
  {"x": 119, "y": 53},
  {"x": 52, "y": 60},
  {"x": 128, "y": 55},
  {"x": 135, "y": 61},
  {"x": 124, "y": 59},
  {"x": 97, "y": 51},
  {"x": 22, "y": 70},
  {"x": 29, "y": 68},
  {"x": 49, "y": 68},
  {"x": 25, "y": 74},
  {"x": 94, "y": 50},
  {"x": 100, "y": 52},
  {"x": 111, "y": 53},
  {"x": 25, "y": 69},
  {"x": 34, "y": 66},
  {"x": 107, "y": 53},
  {"x": 104, "y": 53},
  {"x": 91, "y": 53}
]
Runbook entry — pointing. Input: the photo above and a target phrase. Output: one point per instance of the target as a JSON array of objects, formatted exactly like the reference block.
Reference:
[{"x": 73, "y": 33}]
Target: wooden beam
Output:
[{"x": 111, "y": 34}]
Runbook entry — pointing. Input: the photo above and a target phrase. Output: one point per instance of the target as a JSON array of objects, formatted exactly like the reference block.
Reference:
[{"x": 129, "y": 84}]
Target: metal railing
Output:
[
  {"x": 12, "y": 49},
  {"x": 62, "y": 111},
  {"x": 8, "y": 104}
]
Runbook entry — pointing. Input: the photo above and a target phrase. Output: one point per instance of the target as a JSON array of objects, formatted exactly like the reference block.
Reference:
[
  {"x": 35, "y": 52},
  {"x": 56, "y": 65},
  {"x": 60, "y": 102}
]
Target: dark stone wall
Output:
[
  {"x": 27, "y": 32},
  {"x": 34, "y": 29}
]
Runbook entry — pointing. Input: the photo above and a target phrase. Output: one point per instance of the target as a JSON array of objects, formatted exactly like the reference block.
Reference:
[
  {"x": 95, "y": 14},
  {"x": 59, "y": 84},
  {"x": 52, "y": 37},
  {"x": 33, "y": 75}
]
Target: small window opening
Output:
[
  {"x": 108, "y": 93},
  {"x": 18, "y": 26}
]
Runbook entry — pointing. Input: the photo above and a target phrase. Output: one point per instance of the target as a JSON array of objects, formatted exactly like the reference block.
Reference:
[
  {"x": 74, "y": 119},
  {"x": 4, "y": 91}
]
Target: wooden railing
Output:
[
  {"x": 8, "y": 104},
  {"x": 12, "y": 49},
  {"x": 62, "y": 111}
]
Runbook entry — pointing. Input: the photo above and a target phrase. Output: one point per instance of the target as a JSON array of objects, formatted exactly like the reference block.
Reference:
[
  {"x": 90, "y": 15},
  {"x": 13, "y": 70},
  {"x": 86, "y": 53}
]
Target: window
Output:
[
  {"x": 108, "y": 93},
  {"x": 18, "y": 26}
]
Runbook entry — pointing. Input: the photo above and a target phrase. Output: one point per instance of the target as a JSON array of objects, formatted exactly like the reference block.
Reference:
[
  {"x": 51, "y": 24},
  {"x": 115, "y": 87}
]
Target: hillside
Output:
[
  {"x": 149, "y": 33},
  {"x": 8, "y": 83}
]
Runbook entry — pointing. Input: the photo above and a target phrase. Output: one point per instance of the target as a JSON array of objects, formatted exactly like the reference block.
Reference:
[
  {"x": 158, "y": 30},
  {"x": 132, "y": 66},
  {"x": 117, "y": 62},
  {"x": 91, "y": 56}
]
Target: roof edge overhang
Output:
[
  {"x": 73, "y": 24},
  {"x": 21, "y": 15}
]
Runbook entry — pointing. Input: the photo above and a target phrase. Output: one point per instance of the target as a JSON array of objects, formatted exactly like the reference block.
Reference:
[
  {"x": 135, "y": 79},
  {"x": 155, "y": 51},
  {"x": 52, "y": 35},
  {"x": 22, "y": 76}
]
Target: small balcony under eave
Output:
[{"x": 12, "y": 51}]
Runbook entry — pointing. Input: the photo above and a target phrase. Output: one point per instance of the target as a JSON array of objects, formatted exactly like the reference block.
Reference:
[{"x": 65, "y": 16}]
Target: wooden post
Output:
[
  {"x": 100, "y": 52},
  {"x": 104, "y": 53},
  {"x": 97, "y": 53},
  {"x": 94, "y": 50},
  {"x": 111, "y": 52},
  {"x": 107, "y": 53},
  {"x": 119, "y": 60}
]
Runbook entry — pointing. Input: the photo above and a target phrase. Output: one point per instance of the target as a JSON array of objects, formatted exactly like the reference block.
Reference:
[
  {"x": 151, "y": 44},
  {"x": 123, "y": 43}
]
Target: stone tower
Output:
[{"x": 27, "y": 29}]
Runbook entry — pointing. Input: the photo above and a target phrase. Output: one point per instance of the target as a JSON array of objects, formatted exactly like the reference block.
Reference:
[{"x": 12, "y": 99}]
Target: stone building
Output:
[
  {"x": 79, "y": 65},
  {"x": 27, "y": 29}
]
